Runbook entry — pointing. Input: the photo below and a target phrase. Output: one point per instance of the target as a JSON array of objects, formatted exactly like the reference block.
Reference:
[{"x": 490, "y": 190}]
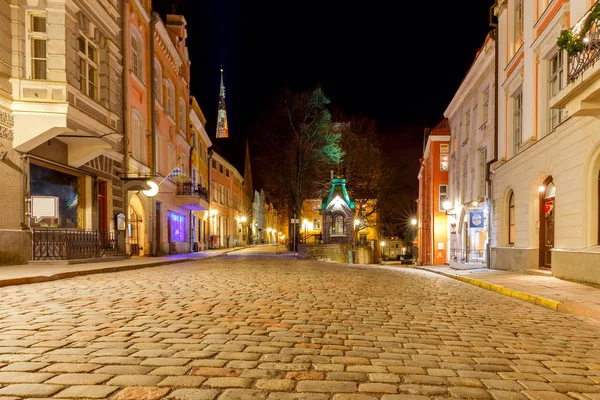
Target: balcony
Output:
[
  {"x": 581, "y": 95},
  {"x": 192, "y": 197}
]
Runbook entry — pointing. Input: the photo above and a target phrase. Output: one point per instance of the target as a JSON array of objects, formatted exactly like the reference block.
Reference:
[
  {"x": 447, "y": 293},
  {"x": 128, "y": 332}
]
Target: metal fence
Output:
[
  {"x": 467, "y": 255},
  {"x": 68, "y": 244},
  {"x": 189, "y": 189}
]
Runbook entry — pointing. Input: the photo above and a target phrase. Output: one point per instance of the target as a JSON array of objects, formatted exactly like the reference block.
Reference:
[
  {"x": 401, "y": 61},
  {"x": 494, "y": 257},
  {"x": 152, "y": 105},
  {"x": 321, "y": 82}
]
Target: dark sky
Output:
[{"x": 399, "y": 62}]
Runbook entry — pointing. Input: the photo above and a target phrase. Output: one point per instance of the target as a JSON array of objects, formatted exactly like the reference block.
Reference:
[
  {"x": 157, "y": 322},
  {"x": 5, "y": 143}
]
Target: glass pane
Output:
[
  {"x": 39, "y": 48},
  {"x": 82, "y": 45},
  {"x": 39, "y": 69},
  {"x": 51, "y": 183},
  {"x": 92, "y": 53},
  {"x": 82, "y": 74},
  {"x": 38, "y": 24}
]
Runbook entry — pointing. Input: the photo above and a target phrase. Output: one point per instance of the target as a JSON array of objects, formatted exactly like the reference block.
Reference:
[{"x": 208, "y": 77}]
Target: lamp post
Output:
[{"x": 413, "y": 222}]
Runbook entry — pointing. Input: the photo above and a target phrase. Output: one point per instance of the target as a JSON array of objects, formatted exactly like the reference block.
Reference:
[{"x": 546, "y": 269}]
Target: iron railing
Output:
[
  {"x": 189, "y": 189},
  {"x": 69, "y": 244},
  {"x": 467, "y": 255},
  {"x": 589, "y": 53}
]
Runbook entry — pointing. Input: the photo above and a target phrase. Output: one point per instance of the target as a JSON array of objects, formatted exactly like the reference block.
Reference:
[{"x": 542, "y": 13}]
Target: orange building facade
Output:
[{"x": 433, "y": 192}]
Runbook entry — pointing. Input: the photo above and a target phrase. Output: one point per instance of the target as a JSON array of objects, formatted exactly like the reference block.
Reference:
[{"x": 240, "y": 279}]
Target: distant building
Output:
[{"x": 433, "y": 193}]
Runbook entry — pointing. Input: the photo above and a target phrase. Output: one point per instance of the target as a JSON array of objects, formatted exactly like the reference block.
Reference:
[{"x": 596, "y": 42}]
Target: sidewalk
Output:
[
  {"x": 33, "y": 273},
  {"x": 546, "y": 291}
]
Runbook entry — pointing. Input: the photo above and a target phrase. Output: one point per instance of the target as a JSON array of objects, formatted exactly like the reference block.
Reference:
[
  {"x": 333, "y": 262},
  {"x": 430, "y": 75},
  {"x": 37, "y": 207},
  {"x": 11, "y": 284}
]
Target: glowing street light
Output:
[
  {"x": 244, "y": 219},
  {"x": 153, "y": 189},
  {"x": 413, "y": 221},
  {"x": 446, "y": 205}
]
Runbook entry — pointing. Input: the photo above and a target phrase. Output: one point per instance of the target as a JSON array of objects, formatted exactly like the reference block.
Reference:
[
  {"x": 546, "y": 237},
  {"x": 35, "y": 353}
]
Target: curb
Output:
[
  {"x": 73, "y": 274},
  {"x": 530, "y": 298}
]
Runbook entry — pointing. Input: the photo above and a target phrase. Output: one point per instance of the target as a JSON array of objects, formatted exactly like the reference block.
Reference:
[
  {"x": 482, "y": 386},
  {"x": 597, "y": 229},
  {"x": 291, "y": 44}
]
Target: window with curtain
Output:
[
  {"x": 37, "y": 42},
  {"x": 517, "y": 122},
  {"x": 555, "y": 84}
]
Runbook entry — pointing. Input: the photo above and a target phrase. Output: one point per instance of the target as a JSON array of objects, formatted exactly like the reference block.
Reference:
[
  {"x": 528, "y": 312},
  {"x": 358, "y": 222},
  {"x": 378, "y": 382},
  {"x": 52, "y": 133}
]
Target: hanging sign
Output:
[{"x": 476, "y": 220}]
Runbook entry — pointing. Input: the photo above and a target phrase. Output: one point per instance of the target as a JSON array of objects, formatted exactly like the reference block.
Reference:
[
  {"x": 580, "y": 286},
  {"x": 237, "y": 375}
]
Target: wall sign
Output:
[{"x": 476, "y": 220}]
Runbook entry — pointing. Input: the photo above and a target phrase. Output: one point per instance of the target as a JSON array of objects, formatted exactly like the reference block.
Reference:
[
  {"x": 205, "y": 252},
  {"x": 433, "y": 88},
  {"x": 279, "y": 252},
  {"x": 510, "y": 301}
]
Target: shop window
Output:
[
  {"x": 55, "y": 198},
  {"x": 177, "y": 227},
  {"x": 317, "y": 224}
]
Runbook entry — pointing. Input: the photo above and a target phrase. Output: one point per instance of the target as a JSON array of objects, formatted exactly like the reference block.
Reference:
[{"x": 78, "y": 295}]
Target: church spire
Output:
[{"x": 222, "y": 128}]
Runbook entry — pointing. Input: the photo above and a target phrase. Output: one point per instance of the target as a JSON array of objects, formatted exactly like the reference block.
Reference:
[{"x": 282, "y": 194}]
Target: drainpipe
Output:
[
  {"x": 489, "y": 172},
  {"x": 125, "y": 80},
  {"x": 153, "y": 222}
]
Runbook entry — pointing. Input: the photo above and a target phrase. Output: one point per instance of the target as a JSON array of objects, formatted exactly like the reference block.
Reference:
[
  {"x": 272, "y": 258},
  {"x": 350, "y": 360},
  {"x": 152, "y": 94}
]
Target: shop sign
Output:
[{"x": 476, "y": 220}]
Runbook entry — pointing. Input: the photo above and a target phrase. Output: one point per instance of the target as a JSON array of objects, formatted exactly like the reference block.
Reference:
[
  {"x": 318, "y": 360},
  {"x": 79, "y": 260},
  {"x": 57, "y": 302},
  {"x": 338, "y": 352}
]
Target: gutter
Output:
[
  {"x": 153, "y": 240},
  {"x": 489, "y": 172}
]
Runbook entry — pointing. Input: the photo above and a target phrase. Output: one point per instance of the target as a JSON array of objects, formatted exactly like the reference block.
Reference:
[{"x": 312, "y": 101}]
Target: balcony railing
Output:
[
  {"x": 590, "y": 49},
  {"x": 189, "y": 189},
  {"x": 68, "y": 244}
]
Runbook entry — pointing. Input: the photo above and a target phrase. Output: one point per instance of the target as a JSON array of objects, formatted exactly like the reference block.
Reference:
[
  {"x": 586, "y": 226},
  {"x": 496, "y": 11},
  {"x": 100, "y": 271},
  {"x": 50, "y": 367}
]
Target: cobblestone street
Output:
[{"x": 266, "y": 326}]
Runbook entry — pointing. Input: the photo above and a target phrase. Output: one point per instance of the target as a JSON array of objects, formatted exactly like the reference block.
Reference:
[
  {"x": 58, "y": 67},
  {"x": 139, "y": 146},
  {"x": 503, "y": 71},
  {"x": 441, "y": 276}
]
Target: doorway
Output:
[
  {"x": 136, "y": 226},
  {"x": 102, "y": 207},
  {"x": 547, "y": 216}
]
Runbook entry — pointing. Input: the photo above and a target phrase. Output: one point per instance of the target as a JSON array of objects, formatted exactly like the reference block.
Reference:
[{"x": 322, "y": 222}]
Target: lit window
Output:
[
  {"x": 88, "y": 68},
  {"x": 177, "y": 226},
  {"x": 316, "y": 224},
  {"x": 338, "y": 225},
  {"x": 136, "y": 55},
  {"x": 442, "y": 196},
  {"x": 518, "y": 24},
  {"x": 37, "y": 46},
  {"x": 444, "y": 157}
]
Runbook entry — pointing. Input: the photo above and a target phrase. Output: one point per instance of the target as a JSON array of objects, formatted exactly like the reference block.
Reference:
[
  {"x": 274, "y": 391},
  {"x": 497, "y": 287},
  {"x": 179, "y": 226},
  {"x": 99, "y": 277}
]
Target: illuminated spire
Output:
[{"x": 222, "y": 128}]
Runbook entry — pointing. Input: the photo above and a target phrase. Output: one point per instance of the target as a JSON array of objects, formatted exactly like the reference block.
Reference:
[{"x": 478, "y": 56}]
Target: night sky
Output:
[{"x": 397, "y": 62}]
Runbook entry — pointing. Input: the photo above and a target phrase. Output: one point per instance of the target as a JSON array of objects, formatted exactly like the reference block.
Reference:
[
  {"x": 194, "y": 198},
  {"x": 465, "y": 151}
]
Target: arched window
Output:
[
  {"x": 338, "y": 225},
  {"x": 511, "y": 218},
  {"x": 138, "y": 138},
  {"x": 158, "y": 91},
  {"x": 182, "y": 115},
  {"x": 136, "y": 55}
]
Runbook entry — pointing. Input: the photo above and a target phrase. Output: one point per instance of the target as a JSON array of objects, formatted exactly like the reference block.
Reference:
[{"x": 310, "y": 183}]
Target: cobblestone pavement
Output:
[{"x": 252, "y": 326}]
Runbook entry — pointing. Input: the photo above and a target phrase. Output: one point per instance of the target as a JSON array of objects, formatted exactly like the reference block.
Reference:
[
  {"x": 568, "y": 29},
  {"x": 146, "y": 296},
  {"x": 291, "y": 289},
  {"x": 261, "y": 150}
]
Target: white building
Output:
[
  {"x": 545, "y": 184},
  {"x": 471, "y": 119}
]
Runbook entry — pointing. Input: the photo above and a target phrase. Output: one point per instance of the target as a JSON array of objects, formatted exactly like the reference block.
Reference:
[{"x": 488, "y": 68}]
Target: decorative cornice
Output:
[{"x": 499, "y": 7}]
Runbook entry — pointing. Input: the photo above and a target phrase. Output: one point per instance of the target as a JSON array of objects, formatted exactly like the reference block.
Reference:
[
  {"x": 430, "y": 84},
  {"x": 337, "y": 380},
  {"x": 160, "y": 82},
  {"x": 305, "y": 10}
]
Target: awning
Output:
[{"x": 82, "y": 149}]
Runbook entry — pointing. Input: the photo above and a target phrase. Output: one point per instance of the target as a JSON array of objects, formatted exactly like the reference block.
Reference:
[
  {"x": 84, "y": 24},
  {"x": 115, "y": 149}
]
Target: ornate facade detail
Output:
[
  {"x": 222, "y": 127},
  {"x": 7, "y": 121}
]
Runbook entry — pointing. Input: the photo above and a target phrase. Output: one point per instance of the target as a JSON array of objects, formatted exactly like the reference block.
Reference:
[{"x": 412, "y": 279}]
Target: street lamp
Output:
[
  {"x": 447, "y": 205},
  {"x": 413, "y": 221},
  {"x": 382, "y": 244}
]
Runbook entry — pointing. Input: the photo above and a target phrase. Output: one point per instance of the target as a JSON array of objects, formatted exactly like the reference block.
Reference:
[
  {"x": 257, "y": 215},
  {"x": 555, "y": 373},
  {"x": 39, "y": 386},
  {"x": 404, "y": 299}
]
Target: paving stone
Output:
[
  {"x": 24, "y": 377},
  {"x": 79, "y": 379},
  {"x": 135, "y": 380},
  {"x": 544, "y": 395},
  {"x": 23, "y": 367},
  {"x": 141, "y": 392},
  {"x": 349, "y": 396},
  {"x": 183, "y": 381},
  {"x": 469, "y": 393},
  {"x": 298, "y": 396},
  {"x": 87, "y": 392},
  {"x": 243, "y": 394},
  {"x": 30, "y": 390},
  {"x": 503, "y": 395},
  {"x": 228, "y": 382},
  {"x": 377, "y": 388},
  {"x": 193, "y": 394},
  {"x": 326, "y": 386},
  {"x": 275, "y": 384},
  {"x": 209, "y": 371}
]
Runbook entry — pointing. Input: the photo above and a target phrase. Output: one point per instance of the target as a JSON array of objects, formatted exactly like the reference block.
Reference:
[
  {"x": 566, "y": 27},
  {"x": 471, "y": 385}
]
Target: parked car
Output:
[{"x": 406, "y": 259}]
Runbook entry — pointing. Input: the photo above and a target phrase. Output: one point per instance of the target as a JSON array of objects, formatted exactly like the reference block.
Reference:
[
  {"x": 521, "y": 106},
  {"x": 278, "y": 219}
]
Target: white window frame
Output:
[
  {"x": 442, "y": 197},
  {"x": 556, "y": 82},
  {"x": 31, "y": 37},
  {"x": 517, "y": 103},
  {"x": 444, "y": 156},
  {"x": 136, "y": 54},
  {"x": 85, "y": 59},
  {"x": 519, "y": 24},
  {"x": 170, "y": 98},
  {"x": 482, "y": 163}
]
